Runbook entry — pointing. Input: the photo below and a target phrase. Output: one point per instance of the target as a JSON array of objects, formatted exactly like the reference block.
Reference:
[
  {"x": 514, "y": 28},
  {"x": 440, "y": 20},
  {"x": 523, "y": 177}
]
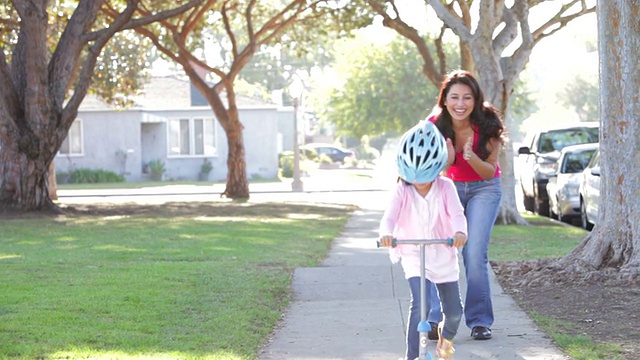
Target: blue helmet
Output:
[{"x": 422, "y": 153}]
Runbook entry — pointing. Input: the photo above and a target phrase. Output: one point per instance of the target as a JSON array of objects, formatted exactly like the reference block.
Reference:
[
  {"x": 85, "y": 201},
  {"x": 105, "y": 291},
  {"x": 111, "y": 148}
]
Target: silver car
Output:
[
  {"x": 564, "y": 182},
  {"x": 590, "y": 192}
]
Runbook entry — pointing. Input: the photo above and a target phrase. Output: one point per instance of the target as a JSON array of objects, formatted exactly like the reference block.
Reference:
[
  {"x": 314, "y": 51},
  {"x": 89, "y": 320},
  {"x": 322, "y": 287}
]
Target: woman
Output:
[{"x": 473, "y": 130}]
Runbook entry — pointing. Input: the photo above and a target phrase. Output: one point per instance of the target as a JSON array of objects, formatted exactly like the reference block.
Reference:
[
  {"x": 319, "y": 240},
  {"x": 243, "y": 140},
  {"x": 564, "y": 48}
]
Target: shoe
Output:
[
  {"x": 444, "y": 349},
  {"x": 481, "y": 333},
  {"x": 433, "y": 333}
]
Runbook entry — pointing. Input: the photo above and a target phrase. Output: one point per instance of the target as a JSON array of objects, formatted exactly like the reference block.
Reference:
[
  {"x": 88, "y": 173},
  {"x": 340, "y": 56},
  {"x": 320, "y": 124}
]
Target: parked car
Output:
[
  {"x": 589, "y": 192},
  {"x": 538, "y": 157},
  {"x": 562, "y": 188},
  {"x": 336, "y": 153}
]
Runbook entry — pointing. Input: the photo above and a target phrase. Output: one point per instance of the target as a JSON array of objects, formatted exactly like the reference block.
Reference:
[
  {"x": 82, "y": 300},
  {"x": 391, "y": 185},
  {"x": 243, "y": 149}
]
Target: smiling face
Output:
[{"x": 459, "y": 102}]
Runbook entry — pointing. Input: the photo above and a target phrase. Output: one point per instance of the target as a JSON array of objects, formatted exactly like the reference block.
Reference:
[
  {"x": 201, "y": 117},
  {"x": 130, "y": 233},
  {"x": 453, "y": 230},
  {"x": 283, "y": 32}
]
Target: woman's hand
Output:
[
  {"x": 485, "y": 168},
  {"x": 386, "y": 241},
  {"x": 459, "y": 239},
  {"x": 468, "y": 149}
]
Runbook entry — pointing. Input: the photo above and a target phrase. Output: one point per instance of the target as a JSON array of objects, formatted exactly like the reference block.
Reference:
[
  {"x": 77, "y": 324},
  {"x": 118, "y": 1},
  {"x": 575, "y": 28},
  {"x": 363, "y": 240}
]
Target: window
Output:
[
  {"x": 558, "y": 139},
  {"x": 576, "y": 162},
  {"x": 192, "y": 137},
  {"x": 72, "y": 145}
]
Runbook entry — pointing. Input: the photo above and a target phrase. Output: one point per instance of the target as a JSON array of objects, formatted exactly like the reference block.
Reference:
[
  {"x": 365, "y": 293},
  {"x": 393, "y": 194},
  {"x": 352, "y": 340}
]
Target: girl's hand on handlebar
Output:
[
  {"x": 386, "y": 241},
  {"x": 459, "y": 239}
]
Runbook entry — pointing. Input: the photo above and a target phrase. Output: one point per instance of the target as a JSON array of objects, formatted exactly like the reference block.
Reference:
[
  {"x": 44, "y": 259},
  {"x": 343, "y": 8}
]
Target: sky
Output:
[{"x": 557, "y": 60}]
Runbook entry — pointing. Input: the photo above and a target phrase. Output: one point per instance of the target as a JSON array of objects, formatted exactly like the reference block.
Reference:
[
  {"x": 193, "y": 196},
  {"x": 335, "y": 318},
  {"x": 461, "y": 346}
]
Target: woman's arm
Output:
[{"x": 485, "y": 168}]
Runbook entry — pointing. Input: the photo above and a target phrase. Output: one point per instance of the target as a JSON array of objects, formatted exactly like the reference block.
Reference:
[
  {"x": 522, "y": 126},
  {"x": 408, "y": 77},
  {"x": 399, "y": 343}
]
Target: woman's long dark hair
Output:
[{"x": 485, "y": 117}]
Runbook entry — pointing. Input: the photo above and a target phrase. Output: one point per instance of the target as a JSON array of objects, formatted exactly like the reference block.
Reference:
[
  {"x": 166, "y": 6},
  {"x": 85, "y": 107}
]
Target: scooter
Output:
[{"x": 423, "y": 326}]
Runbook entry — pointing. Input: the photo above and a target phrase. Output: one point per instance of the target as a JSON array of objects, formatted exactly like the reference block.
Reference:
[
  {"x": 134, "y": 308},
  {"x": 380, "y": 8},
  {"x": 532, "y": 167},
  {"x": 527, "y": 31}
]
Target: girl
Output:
[{"x": 425, "y": 205}]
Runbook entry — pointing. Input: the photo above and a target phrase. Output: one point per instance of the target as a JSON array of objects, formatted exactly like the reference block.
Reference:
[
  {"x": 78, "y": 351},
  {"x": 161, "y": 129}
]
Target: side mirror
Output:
[
  {"x": 595, "y": 171},
  {"x": 524, "y": 151}
]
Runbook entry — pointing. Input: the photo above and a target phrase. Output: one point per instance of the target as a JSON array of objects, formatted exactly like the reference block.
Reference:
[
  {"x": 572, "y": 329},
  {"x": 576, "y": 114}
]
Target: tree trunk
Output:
[
  {"x": 237, "y": 184},
  {"x": 614, "y": 243},
  {"x": 23, "y": 180},
  {"x": 508, "y": 207},
  {"x": 497, "y": 91},
  {"x": 53, "y": 183}
]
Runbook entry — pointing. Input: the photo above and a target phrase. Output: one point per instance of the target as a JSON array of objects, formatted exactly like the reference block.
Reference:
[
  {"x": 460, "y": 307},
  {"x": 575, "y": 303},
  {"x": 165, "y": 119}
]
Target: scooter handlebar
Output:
[{"x": 396, "y": 242}]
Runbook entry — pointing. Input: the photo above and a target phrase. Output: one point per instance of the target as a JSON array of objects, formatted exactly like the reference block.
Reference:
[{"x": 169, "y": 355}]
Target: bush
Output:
[
  {"x": 88, "y": 176},
  {"x": 309, "y": 153},
  {"x": 157, "y": 169},
  {"x": 286, "y": 164},
  {"x": 325, "y": 159},
  {"x": 367, "y": 153}
]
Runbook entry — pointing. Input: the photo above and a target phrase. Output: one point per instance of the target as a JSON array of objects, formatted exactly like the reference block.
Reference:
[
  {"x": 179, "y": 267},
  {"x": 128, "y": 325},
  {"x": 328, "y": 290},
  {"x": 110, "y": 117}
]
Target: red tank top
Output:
[{"x": 460, "y": 170}]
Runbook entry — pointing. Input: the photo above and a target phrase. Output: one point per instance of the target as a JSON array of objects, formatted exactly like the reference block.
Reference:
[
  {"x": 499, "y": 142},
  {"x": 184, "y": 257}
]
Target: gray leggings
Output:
[{"x": 451, "y": 307}]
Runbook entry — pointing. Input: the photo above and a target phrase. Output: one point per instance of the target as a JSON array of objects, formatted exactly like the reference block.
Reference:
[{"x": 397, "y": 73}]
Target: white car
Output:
[
  {"x": 590, "y": 192},
  {"x": 564, "y": 182}
]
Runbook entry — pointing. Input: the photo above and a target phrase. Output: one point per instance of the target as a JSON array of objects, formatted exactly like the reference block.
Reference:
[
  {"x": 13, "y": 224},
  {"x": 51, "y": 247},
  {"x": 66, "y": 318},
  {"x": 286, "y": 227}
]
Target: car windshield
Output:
[
  {"x": 556, "y": 140},
  {"x": 576, "y": 162}
]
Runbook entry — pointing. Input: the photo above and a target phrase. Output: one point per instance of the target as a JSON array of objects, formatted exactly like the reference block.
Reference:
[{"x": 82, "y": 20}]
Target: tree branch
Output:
[
  {"x": 453, "y": 21},
  {"x": 86, "y": 73},
  {"x": 9, "y": 24},
  {"x": 194, "y": 17},
  {"x": 510, "y": 17},
  {"x": 67, "y": 52},
  {"x": 9, "y": 103},
  {"x": 146, "y": 20},
  {"x": 560, "y": 20},
  {"x": 227, "y": 28},
  {"x": 402, "y": 28},
  {"x": 520, "y": 57}
]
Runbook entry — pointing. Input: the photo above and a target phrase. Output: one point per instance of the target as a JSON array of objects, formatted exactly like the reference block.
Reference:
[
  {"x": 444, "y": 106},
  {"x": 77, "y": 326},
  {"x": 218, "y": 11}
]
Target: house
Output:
[{"x": 171, "y": 124}]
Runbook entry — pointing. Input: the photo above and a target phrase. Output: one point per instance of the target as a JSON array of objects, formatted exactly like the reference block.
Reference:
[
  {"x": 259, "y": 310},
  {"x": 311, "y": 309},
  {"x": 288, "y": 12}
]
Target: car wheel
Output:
[
  {"x": 584, "y": 218},
  {"x": 528, "y": 202},
  {"x": 565, "y": 218},
  {"x": 542, "y": 206}
]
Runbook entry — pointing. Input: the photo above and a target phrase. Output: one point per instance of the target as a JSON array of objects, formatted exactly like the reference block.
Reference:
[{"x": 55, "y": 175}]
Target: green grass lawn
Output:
[
  {"x": 154, "y": 286},
  {"x": 545, "y": 239}
]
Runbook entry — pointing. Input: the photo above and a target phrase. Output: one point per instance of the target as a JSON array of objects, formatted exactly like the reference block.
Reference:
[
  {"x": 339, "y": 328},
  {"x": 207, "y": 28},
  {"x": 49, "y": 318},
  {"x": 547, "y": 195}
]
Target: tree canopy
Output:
[
  {"x": 383, "y": 89},
  {"x": 583, "y": 96}
]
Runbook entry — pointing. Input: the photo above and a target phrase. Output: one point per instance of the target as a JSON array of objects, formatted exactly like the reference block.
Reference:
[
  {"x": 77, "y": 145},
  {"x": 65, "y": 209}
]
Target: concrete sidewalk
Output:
[{"x": 354, "y": 306}]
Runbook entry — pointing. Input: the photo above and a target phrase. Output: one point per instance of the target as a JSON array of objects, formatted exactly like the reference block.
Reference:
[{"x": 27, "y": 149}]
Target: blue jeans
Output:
[
  {"x": 451, "y": 304},
  {"x": 481, "y": 202}
]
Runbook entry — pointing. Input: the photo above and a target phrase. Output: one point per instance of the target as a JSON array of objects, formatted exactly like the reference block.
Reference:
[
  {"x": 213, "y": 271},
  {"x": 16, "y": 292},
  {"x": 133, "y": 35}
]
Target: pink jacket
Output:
[{"x": 439, "y": 215}]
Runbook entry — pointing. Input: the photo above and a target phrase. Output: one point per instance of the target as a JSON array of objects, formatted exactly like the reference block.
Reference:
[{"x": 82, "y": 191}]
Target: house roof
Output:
[{"x": 169, "y": 93}]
